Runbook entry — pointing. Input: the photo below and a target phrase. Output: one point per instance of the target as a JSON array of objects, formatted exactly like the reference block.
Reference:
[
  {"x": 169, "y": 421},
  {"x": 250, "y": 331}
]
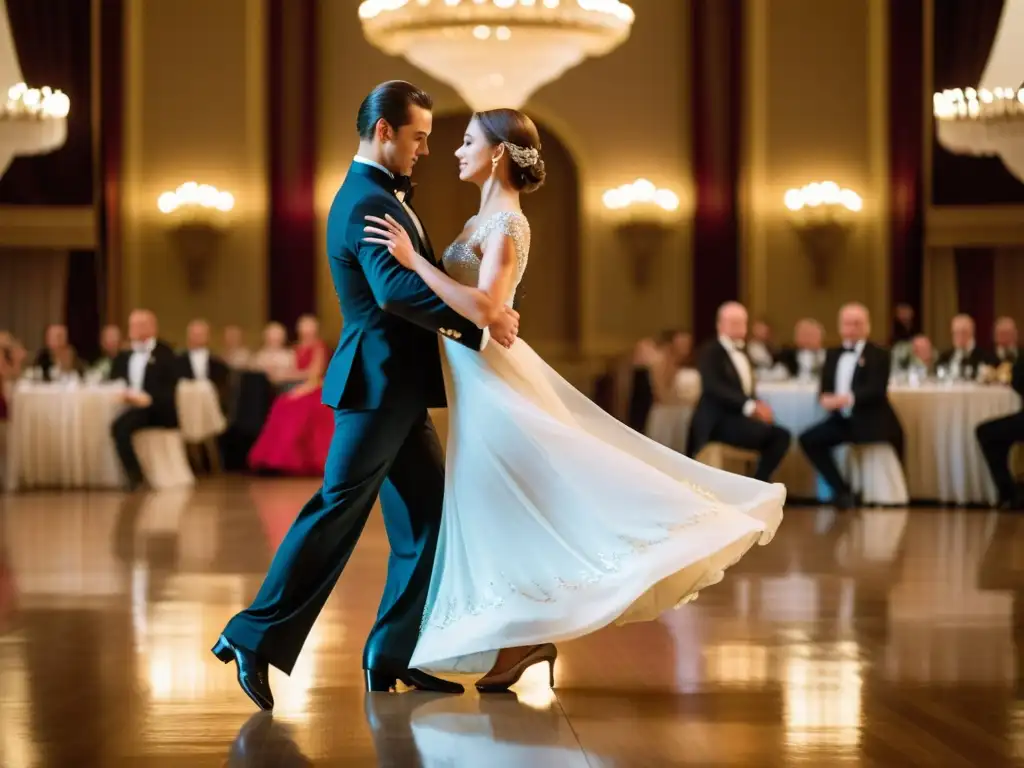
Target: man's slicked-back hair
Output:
[{"x": 390, "y": 101}]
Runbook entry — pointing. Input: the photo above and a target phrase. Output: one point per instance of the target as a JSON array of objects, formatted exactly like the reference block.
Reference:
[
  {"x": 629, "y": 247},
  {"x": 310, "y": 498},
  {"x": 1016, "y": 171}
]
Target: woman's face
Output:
[
  {"x": 307, "y": 329},
  {"x": 475, "y": 155},
  {"x": 273, "y": 337}
]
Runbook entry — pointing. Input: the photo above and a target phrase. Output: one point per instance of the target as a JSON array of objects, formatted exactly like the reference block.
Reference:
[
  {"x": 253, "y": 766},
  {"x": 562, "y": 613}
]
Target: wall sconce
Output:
[
  {"x": 644, "y": 215},
  {"x": 197, "y": 217},
  {"x": 823, "y": 214}
]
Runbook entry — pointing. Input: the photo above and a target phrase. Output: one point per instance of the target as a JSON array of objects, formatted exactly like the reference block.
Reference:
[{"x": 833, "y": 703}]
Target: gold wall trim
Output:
[
  {"x": 974, "y": 225},
  {"x": 255, "y": 119},
  {"x": 878, "y": 156},
  {"x": 131, "y": 231},
  {"x": 754, "y": 161},
  {"x": 48, "y": 226}
]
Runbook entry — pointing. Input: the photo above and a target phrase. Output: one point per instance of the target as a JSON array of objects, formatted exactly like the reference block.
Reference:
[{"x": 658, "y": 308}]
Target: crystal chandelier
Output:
[
  {"x": 496, "y": 53},
  {"x": 983, "y": 122},
  {"x": 988, "y": 119},
  {"x": 33, "y": 121}
]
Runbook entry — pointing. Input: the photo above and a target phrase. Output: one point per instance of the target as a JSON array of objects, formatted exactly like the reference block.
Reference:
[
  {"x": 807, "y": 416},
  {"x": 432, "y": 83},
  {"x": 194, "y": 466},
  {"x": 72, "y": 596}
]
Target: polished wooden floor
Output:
[{"x": 876, "y": 638}]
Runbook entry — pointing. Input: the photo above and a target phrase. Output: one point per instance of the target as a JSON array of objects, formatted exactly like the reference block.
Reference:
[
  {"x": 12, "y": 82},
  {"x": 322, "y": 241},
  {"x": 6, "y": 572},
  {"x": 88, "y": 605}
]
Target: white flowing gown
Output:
[{"x": 558, "y": 519}]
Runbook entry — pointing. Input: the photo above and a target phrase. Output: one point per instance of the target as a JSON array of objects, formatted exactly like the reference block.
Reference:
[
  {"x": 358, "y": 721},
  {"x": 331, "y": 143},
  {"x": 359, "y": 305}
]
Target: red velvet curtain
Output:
[
  {"x": 963, "y": 35},
  {"x": 716, "y": 90},
  {"x": 906, "y": 152},
  {"x": 291, "y": 115}
]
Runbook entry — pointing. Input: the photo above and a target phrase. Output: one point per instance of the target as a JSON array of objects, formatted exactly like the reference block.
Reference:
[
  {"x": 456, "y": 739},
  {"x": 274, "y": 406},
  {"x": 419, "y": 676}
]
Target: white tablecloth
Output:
[
  {"x": 942, "y": 461},
  {"x": 59, "y": 436}
]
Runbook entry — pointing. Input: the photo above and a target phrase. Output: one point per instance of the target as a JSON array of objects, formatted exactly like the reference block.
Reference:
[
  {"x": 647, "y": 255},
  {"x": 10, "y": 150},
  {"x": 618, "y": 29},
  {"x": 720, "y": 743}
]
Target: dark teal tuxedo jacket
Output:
[{"x": 388, "y": 347}]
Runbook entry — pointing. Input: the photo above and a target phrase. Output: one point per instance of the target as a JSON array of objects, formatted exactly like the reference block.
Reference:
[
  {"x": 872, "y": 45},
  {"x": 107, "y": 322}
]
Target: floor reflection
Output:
[{"x": 880, "y": 637}]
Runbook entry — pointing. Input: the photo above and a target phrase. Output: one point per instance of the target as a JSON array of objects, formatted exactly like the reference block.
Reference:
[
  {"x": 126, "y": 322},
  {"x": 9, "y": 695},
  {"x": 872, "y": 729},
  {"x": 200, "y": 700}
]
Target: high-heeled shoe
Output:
[{"x": 502, "y": 681}]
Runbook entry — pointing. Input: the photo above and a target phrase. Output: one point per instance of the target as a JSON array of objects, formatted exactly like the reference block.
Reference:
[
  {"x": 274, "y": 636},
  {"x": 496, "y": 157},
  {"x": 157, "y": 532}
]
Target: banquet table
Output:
[
  {"x": 942, "y": 461},
  {"x": 59, "y": 436}
]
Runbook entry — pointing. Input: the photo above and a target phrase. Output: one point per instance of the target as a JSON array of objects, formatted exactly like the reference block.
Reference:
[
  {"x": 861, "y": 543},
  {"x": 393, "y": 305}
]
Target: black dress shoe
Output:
[
  {"x": 253, "y": 674},
  {"x": 845, "y": 501},
  {"x": 378, "y": 680}
]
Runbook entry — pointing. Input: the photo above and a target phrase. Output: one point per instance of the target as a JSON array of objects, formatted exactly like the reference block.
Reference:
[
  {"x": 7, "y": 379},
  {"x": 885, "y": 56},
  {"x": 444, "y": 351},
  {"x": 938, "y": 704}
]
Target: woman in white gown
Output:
[{"x": 558, "y": 519}]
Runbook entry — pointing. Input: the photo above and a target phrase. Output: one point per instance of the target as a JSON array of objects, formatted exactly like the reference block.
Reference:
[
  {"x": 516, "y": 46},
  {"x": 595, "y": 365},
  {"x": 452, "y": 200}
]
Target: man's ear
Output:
[{"x": 384, "y": 130}]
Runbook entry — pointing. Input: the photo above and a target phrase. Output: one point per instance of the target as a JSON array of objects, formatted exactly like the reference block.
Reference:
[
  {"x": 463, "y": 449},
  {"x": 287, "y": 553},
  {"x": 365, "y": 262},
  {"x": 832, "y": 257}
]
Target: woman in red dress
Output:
[{"x": 298, "y": 432}]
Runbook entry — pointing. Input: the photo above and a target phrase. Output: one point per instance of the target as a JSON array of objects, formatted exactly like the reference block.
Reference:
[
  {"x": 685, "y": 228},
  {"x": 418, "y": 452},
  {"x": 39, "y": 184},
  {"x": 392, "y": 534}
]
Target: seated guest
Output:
[
  {"x": 236, "y": 354},
  {"x": 922, "y": 355},
  {"x": 760, "y": 349},
  {"x": 1005, "y": 335},
  {"x": 110, "y": 348},
  {"x": 275, "y": 358},
  {"x": 57, "y": 358},
  {"x": 807, "y": 355},
  {"x": 12, "y": 356},
  {"x": 197, "y": 362},
  {"x": 675, "y": 353},
  {"x": 996, "y": 438},
  {"x": 641, "y": 388},
  {"x": 965, "y": 358},
  {"x": 150, "y": 369},
  {"x": 728, "y": 410},
  {"x": 299, "y": 428},
  {"x": 854, "y": 390}
]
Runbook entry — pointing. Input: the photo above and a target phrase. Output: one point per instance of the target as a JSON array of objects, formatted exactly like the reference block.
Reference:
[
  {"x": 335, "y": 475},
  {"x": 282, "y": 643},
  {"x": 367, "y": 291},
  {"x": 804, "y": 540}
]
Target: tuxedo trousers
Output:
[{"x": 393, "y": 451}]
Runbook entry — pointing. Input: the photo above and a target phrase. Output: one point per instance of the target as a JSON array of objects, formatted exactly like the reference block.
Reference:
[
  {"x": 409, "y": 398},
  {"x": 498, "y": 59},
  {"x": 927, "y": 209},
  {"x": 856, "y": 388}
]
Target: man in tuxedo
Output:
[
  {"x": 965, "y": 358},
  {"x": 197, "y": 362},
  {"x": 1005, "y": 336},
  {"x": 854, "y": 390},
  {"x": 151, "y": 371},
  {"x": 382, "y": 378},
  {"x": 729, "y": 411},
  {"x": 996, "y": 438},
  {"x": 805, "y": 358}
]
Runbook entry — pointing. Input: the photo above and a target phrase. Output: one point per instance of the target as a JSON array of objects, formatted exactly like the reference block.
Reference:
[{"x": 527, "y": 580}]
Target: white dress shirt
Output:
[
  {"x": 742, "y": 365},
  {"x": 399, "y": 195},
  {"x": 200, "y": 359},
  {"x": 845, "y": 369},
  {"x": 809, "y": 361},
  {"x": 1006, "y": 353},
  {"x": 486, "y": 336},
  {"x": 141, "y": 351}
]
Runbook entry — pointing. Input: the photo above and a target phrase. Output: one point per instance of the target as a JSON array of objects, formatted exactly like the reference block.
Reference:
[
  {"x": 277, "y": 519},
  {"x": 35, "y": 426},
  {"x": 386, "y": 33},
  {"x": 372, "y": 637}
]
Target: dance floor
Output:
[{"x": 878, "y": 637}]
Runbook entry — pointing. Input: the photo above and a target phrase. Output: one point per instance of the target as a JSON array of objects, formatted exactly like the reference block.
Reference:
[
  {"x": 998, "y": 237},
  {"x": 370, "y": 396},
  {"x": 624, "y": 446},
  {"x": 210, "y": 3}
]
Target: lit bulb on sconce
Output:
[
  {"x": 192, "y": 197},
  {"x": 640, "y": 192},
  {"x": 822, "y": 194}
]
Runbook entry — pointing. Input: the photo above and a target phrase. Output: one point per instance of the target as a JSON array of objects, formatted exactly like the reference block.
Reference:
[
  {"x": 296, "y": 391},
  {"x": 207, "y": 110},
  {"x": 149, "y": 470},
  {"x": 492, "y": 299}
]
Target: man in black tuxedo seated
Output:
[
  {"x": 728, "y": 411},
  {"x": 965, "y": 357},
  {"x": 854, "y": 390},
  {"x": 151, "y": 370},
  {"x": 198, "y": 363},
  {"x": 807, "y": 355},
  {"x": 996, "y": 438}
]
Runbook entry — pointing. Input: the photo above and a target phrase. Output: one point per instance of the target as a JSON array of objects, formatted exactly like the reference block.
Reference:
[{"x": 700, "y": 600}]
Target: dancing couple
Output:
[{"x": 551, "y": 518}]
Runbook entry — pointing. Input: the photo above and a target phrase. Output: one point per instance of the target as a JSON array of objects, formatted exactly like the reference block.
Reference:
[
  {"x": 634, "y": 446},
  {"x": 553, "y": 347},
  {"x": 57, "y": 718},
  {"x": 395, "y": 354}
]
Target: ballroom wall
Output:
[
  {"x": 815, "y": 106},
  {"x": 621, "y": 117},
  {"x": 194, "y": 110}
]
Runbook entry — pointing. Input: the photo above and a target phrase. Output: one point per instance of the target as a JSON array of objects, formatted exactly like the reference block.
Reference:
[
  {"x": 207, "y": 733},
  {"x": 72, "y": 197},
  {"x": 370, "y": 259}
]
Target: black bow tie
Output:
[
  {"x": 849, "y": 348},
  {"x": 405, "y": 187}
]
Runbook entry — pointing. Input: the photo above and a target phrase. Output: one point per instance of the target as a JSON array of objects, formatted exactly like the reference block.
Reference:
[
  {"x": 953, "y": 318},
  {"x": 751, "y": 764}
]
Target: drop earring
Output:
[{"x": 494, "y": 165}]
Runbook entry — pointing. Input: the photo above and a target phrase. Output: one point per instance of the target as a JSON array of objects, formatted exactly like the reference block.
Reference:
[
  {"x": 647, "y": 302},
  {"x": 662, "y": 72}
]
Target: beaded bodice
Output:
[{"x": 462, "y": 258}]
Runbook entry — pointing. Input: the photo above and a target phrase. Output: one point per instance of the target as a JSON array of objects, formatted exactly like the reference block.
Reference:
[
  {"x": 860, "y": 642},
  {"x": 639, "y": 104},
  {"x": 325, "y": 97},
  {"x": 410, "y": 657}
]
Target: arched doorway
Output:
[{"x": 549, "y": 297}]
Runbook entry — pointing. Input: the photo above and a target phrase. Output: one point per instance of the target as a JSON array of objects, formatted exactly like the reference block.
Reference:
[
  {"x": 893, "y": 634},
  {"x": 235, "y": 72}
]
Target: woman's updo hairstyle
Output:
[{"x": 522, "y": 145}]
